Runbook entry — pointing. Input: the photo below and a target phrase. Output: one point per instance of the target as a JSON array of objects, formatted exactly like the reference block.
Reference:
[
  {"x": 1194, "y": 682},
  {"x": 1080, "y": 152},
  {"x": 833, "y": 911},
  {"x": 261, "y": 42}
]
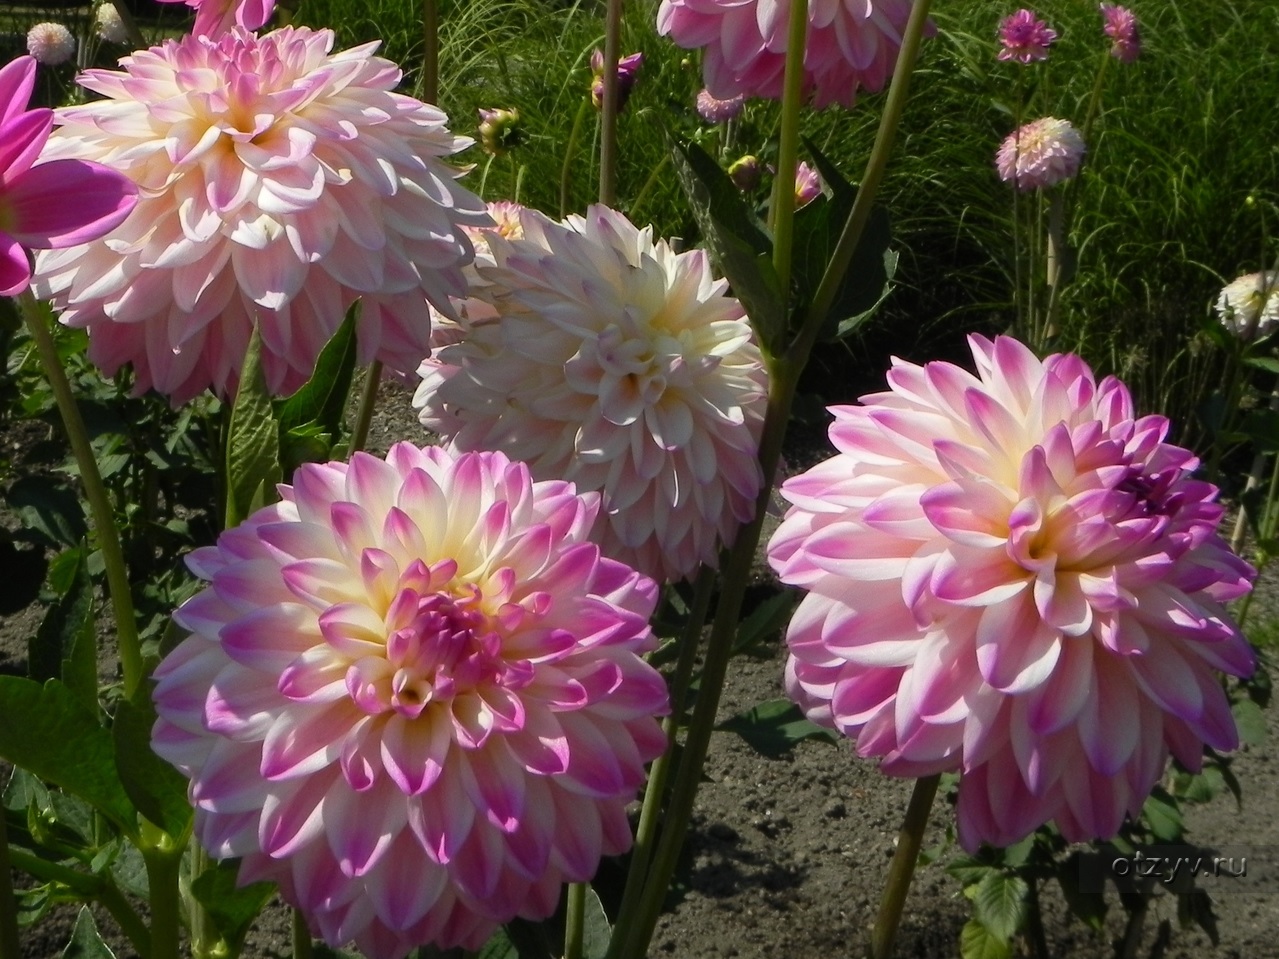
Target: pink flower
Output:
[
  {"x": 718, "y": 111},
  {"x": 50, "y": 43},
  {"x": 852, "y": 44},
  {"x": 1121, "y": 27},
  {"x": 627, "y": 73},
  {"x": 610, "y": 360},
  {"x": 413, "y": 695},
  {"x": 49, "y": 204},
  {"x": 213, "y": 18},
  {"x": 1040, "y": 154},
  {"x": 808, "y": 185},
  {"x": 1013, "y": 575},
  {"x": 1025, "y": 37},
  {"x": 279, "y": 183}
]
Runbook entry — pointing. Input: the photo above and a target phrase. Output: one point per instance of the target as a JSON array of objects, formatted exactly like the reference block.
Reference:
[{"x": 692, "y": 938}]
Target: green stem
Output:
[
  {"x": 782, "y": 209},
  {"x": 203, "y": 940},
  {"x": 131, "y": 31},
  {"x": 902, "y": 868},
  {"x": 647, "y": 188},
  {"x": 10, "y": 947},
  {"x": 1057, "y": 267},
  {"x": 431, "y": 51},
  {"x": 163, "y": 875},
  {"x": 368, "y": 400},
  {"x": 303, "y": 947},
  {"x": 566, "y": 170},
  {"x": 851, "y": 236},
  {"x": 608, "y": 112},
  {"x": 575, "y": 920},
  {"x": 659, "y": 772},
  {"x": 99, "y": 503}
]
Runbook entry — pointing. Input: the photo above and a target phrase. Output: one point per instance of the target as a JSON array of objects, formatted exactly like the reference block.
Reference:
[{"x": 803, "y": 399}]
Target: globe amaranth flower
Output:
[
  {"x": 1013, "y": 575},
  {"x": 852, "y": 45},
  {"x": 280, "y": 183},
  {"x": 627, "y": 73},
  {"x": 1040, "y": 154},
  {"x": 413, "y": 695},
  {"x": 620, "y": 365},
  {"x": 718, "y": 111},
  {"x": 51, "y": 44},
  {"x": 46, "y": 203},
  {"x": 213, "y": 18},
  {"x": 1249, "y": 306},
  {"x": 109, "y": 24},
  {"x": 1024, "y": 37},
  {"x": 1121, "y": 26}
]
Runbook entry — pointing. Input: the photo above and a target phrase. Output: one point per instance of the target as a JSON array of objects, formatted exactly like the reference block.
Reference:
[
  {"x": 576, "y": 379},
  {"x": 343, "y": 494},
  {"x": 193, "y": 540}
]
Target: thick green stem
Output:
[
  {"x": 566, "y": 169},
  {"x": 100, "y": 889},
  {"x": 431, "y": 51},
  {"x": 575, "y": 920},
  {"x": 99, "y": 503},
  {"x": 163, "y": 874},
  {"x": 782, "y": 210},
  {"x": 609, "y": 107},
  {"x": 368, "y": 401},
  {"x": 303, "y": 947},
  {"x": 10, "y": 948},
  {"x": 902, "y": 868},
  {"x": 204, "y": 941}
]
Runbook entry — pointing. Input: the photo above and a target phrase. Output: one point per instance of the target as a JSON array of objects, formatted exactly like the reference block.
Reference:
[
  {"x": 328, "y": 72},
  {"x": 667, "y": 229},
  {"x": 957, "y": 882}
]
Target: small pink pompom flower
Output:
[
  {"x": 718, "y": 111},
  {"x": 46, "y": 204},
  {"x": 852, "y": 45},
  {"x": 608, "y": 359},
  {"x": 1040, "y": 154},
  {"x": 51, "y": 44},
  {"x": 1121, "y": 27},
  {"x": 1024, "y": 37},
  {"x": 413, "y": 695},
  {"x": 1014, "y": 576},
  {"x": 279, "y": 183}
]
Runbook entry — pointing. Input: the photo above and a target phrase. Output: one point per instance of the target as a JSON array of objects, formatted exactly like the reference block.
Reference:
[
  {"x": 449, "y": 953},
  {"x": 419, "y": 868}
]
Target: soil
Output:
[{"x": 787, "y": 854}]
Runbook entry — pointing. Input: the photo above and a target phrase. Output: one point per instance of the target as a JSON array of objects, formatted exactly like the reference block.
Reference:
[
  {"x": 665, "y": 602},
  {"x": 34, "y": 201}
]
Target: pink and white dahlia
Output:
[
  {"x": 279, "y": 184},
  {"x": 852, "y": 44},
  {"x": 1249, "y": 306},
  {"x": 46, "y": 204},
  {"x": 213, "y": 18},
  {"x": 1024, "y": 37},
  {"x": 413, "y": 695},
  {"x": 1012, "y": 574},
  {"x": 1121, "y": 26},
  {"x": 1040, "y": 154},
  {"x": 50, "y": 43},
  {"x": 621, "y": 366}
]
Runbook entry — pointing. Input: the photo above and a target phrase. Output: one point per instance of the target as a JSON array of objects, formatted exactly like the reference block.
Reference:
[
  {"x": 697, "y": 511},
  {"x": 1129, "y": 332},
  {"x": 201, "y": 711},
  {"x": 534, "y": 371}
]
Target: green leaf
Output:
[
  {"x": 231, "y": 908},
  {"x": 323, "y": 398},
  {"x": 1268, "y": 363},
  {"x": 969, "y": 870},
  {"x": 735, "y": 241},
  {"x": 49, "y": 732},
  {"x": 157, "y": 789},
  {"x": 499, "y": 946},
  {"x": 774, "y": 727},
  {"x": 1163, "y": 817},
  {"x": 596, "y": 930},
  {"x": 85, "y": 942},
  {"x": 765, "y": 621},
  {"x": 1016, "y": 855},
  {"x": 64, "y": 646},
  {"x": 1000, "y": 904},
  {"x": 1088, "y": 907},
  {"x": 978, "y": 942},
  {"x": 1251, "y": 722},
  {"x": 50, "y": 509},
  {"x": 253, "y": 442}
]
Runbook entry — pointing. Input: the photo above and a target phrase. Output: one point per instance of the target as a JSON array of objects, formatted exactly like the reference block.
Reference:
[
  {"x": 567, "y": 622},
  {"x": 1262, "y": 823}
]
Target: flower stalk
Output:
[
  {"x": 609, "y": 108},
  {"x": 99, "y": 502},
  {"x": 575, "y": 920},
  {"x": 782, "y": 212},
  {"x": 900, "y": 871}
]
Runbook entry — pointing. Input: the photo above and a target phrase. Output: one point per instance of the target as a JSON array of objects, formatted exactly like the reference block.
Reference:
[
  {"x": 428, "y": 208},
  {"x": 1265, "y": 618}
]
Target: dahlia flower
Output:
[
  {"x": 1249, "y": 306},
  {"x": 627, "y": 73},
  {"x": 808, "y": 185},
  {"x": 213, "y": 18},
  {"x": 1040, "y": 154},
  {"x": 413, "y": 695},
  {"x": 745, "y": 173},
  {"x": 109, "y": 25},
  {"x": 279, "y": 183},
  {"x": 1014, "y": 576},
  {"x": 1024, "y": 37},
  {"x": 852, "y": 44},
  {"x": 49, "y": 204},
  {"x": 499, "y": 130},
  {"x": 50, "y": 43},
  {"x": 1121, "y": 27},
  {"x": 618, "y": 365},
  {"x": 718, "y": 111}
]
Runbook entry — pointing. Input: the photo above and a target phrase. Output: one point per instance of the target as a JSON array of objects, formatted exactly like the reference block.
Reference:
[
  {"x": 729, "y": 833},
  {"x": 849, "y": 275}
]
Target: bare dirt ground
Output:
[{"x": 787, "y": 854}]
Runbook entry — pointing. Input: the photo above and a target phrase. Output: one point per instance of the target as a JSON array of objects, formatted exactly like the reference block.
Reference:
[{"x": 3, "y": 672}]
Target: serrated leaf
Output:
[
  {"x": 64, "y": 646},
  {"x": 1088, "y": 907},
  {"x": 1250, "y": 721},
  {"x": 231, "y": 908},
  {"x": 774, "y": 727},
  {"x": 1000, "y": 904},
  {"x": 253, "y": 441},
  {"x": 1163, "y": 817},
  {"x": 969, "y": 870},
  {"x": 978, "y": 942},
  {"x": 735, "y": 241},
  {"x": 85, "y": 942},
  {"x": 50, "y": 509},
  {"x": 157, "y": 789},
  {"x": 323, "y": 398},
  {"x": 48, "y": 731}
]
